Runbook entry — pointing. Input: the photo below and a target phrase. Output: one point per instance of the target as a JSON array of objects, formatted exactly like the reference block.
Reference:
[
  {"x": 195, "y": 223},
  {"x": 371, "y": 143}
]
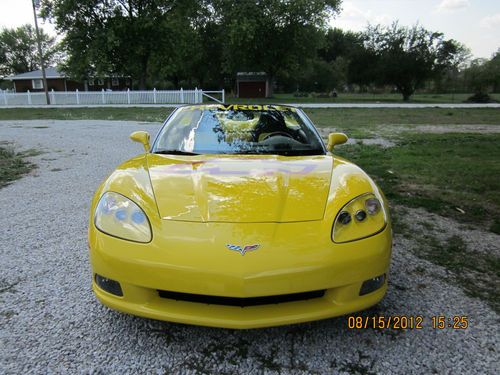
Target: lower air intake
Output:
[{"x": 241, "y": 302}]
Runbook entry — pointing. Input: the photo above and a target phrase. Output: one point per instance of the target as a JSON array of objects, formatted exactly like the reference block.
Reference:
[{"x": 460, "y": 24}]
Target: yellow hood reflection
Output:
[{"x": 243, "y": 189}]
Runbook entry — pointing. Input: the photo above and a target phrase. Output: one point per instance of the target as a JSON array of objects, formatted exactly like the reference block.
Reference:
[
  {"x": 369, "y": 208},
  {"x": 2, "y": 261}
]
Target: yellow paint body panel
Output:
[
  {"x": 196, "y": 211},
  {"x": 252, "y": 189}
]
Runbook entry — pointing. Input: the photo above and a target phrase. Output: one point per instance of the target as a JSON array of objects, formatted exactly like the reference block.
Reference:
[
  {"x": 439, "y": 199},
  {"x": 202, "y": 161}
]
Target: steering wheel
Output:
[{"x": 274, "y": 134}]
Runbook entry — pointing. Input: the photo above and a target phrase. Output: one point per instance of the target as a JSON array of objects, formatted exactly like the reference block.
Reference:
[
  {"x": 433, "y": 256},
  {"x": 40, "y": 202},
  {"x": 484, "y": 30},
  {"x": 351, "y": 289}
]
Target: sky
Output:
[{"x": 476, "y": 23}]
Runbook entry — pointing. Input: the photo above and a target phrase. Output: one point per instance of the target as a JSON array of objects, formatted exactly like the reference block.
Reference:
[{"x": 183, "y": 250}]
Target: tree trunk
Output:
[
  {"x": 175, "y": 81},
  {"x": 142, "y": 83},
  {"x": 407, "y": 92},
  {"x": 144, "y": 72},
  {"x": 270, "y": 83}
]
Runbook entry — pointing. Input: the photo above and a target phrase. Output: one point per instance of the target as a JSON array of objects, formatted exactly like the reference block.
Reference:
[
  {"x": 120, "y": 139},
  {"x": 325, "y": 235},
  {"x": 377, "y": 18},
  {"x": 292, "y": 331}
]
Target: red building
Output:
[{"x": 253, "y": 85}]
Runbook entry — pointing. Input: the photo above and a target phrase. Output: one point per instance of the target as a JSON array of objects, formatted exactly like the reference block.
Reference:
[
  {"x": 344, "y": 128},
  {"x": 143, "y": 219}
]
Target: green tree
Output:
[
  {"x": 483, "y": 76},
  {"x": 344, "y": 51},
  {"x": 452, "y": 59},
  {"x": 19, "y": 53},
  {"x": 477, "y": 77},
  {"x": 493, "y": 69},
  {"x": 125, "y": 37},
  {"x": 208, "y": 62},
  {"x": 274, "y": 36},
  {"x": 340, "y": 43},
  {"x": 317, "y": 75},
  {"x": 407, "y": 57}
]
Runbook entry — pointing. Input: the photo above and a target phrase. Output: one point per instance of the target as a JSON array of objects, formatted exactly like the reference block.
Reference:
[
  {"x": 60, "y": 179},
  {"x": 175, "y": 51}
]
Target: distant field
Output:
[
  {"x": 363, "y": 98},
  {"x": 360, "y": 122},
  {"x": 149, "y": 114}
]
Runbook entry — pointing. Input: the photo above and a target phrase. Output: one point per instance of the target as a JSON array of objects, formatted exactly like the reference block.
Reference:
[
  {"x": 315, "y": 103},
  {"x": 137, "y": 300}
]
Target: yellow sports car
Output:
[{"x": 239, "y": 216}]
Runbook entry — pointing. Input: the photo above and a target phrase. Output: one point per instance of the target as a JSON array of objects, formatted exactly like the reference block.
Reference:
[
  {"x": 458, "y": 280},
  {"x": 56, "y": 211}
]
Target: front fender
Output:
[
  {"x": 130, "y": 179},
  {"x": 348, "y": 182}
]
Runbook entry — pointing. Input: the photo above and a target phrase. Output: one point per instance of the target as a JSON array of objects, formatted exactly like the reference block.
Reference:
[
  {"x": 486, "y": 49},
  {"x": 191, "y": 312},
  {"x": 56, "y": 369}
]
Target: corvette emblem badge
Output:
[{"x": 244, "y": 249}]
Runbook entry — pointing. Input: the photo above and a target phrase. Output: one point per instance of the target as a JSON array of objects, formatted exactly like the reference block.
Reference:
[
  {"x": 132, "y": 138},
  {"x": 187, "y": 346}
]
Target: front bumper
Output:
[{"x": 192, "y": 258}]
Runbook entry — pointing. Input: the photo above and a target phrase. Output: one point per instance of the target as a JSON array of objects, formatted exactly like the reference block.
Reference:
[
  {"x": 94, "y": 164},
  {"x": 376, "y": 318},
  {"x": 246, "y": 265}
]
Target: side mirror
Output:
[
  {"x": 141, "y": 137},
  {"x": 335, "y": 139}
]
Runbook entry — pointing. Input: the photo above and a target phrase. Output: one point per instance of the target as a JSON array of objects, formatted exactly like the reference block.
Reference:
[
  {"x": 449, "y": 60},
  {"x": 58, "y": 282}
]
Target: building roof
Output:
[
  {"x": 251, "y": 73},
  {"x": 37, "y": 74},
  {"x": 251, "y": 76}
]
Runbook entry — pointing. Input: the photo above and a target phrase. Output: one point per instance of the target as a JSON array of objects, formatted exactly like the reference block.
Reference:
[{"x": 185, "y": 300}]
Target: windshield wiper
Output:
[{"x": 175, "y": 152}]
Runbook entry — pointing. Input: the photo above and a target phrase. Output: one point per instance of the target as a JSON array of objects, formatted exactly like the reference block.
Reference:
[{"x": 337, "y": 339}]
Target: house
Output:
[
  {"x": 33, "y": 81},
  {"x": 58, "y": 81},
  {"x": 108, "y": 83},
  {"x": 253, "y": 85}
]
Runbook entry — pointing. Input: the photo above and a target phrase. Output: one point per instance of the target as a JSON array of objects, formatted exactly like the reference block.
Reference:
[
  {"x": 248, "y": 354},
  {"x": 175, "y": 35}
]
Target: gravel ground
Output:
[
  {"x": 380, "y": 135},
  {"x": 50, "y": 321},
  {"x": 440, "y": 129}
]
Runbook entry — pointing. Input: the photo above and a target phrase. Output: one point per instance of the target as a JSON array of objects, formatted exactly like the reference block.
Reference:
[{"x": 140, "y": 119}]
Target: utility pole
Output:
[{"x": 39, "y": 42}]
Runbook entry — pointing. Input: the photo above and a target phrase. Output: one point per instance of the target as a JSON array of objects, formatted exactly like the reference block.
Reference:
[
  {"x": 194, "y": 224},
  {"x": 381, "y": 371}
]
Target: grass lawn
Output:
[
  {"x": 355, "y": 122},
  {"x": 363, "y": 98},
  {"x": 151, "y": 114},
  {"x": 360, "y": 123},
  {"x": 13, "y": 165},
  {"x": 454, "y": 255}
]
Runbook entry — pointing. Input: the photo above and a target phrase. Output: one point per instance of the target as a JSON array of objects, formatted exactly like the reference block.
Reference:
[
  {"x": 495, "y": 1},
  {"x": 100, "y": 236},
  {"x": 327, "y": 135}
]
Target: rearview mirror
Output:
[
  {"x": 335, "y": 139},
  {"x": 141, "y": 137}
]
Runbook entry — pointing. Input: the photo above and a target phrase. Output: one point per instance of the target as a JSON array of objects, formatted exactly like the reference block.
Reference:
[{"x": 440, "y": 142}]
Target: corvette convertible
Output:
[{"x": 239, "y": 216}]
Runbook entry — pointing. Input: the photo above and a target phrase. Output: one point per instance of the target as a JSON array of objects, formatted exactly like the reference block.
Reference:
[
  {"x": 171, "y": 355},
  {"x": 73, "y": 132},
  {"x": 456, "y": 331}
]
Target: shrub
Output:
[
  {"x": 480, "y": 97},
  {"x": 299, "y": 94}
]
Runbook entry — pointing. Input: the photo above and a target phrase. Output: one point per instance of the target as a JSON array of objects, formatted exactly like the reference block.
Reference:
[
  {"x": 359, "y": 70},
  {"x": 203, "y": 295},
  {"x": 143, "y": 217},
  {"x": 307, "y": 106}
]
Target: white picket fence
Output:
[{"x": 110, "y": 97}]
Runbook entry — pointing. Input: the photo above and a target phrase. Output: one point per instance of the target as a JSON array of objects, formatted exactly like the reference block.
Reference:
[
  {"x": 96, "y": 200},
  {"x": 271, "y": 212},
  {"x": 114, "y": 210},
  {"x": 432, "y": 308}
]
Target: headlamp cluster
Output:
[
  {"x": 118, "y": 216},
  {"x": 362, "y": 217}
]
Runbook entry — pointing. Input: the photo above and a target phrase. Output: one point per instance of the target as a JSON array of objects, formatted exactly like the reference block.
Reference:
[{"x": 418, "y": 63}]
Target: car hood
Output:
[{"x": 243, "y": 189}]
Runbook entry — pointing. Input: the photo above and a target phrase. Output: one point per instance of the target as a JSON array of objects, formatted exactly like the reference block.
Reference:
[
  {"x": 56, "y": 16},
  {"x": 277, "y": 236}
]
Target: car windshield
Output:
[{"x": 239, "y": 129}]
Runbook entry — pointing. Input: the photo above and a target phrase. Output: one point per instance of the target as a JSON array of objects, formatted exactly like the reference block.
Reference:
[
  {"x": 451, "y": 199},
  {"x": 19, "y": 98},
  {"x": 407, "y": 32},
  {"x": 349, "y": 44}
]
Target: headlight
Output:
[
  {"x": 118, "y": 216},
  {"x": 362, "y": 217}
]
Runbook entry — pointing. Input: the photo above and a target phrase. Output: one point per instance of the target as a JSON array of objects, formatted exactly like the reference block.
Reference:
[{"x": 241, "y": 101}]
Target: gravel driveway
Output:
[{"x": 50, "y": 321}]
